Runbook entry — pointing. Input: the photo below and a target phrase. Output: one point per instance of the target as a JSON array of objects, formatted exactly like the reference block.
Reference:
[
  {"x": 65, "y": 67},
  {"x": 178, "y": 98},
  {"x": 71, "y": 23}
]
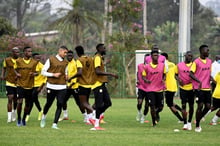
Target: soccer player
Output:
[
  {"x": 25, "y": 69},
  {"x": 8, "y": 74},
  {"x": 161, "y": 58},
  {"x": 39, "y": 82},
  {"x": 216, "y": 100},
  {"x": 215, "y": 69},
  {"x": 154, "y": 76},
  {"x": 200, "y": 72},
  {"x": 185, "y": 88},
  {"x": 142, "y": 94},
  {"x": 72, "y": 87},
  {"x": 102, "y": 98},
  {"x": 55, "y": 69},
  {"x": 171, "y": 88},
  {"x": 85, "y": 75}
]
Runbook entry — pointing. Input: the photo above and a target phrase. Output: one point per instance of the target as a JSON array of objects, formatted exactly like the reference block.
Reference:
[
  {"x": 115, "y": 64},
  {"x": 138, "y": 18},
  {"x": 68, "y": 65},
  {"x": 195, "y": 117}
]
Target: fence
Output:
[{"x": 121, "y": 63}]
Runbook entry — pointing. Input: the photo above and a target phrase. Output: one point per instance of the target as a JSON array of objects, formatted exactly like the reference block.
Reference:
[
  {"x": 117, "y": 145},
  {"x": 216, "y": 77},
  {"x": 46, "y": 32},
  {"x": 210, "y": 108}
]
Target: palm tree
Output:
[{"x": 75, "y": 19}]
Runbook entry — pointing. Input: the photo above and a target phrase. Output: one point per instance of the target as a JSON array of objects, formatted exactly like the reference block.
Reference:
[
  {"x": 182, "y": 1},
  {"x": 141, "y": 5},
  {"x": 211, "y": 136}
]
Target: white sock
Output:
[
  {"x": 65, "y": 113},
  {"x": 96, "y": 123},
  {"x": 139, "y": 111},
  {"x": 215, "y": 119},
  {"x": 94, "y": 114},
  {"x": 9, "y": 115},
  {"x": 43, "y": 117}
]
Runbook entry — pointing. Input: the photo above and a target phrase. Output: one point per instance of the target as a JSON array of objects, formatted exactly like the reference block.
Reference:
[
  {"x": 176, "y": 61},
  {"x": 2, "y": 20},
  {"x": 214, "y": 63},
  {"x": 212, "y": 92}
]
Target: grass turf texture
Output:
[{"x": 121, "y": 129}]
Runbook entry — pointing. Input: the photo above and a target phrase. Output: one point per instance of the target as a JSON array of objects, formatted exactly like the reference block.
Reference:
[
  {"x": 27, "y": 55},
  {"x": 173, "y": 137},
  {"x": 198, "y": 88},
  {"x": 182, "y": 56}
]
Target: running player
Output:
[
  {"x": 154, "y": 76},
  {"x": 25, "y": 69},
  {"x": 55, "y": 69},
  {"x": 142, "y": 94},
  {"x": 185, "y": 88},
  {"x": 102, "y": 98},
  {"x": 85, "y": 75},
  {"x": 72, "y": 87},
  {"x": 39, "y": 82},
  {"x": 171, "y": 88},
  {"x": 200, "y": 72},
  {"x": 8, "y": 74}
]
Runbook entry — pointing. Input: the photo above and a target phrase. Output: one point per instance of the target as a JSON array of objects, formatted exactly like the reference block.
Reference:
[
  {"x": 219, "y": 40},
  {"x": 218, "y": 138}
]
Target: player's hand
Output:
[{"x": 57, "y": 75}]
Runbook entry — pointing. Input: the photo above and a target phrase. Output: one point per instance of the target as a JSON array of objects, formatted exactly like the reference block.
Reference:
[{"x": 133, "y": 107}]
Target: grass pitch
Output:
[{"x": 121, "y": 129}]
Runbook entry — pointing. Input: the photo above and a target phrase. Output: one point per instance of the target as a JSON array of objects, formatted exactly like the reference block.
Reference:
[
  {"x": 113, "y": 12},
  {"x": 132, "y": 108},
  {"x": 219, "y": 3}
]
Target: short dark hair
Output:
[
  {"x": 79, "y": 50},
  {"x": 70, "y": 51},
  {"x": 202, "y": 46},
  {"x": 165, "y": 55},
  {"x": 25, "y": 48},
  {"x": 99, "y": 45},
  {"x": 154, "y": 51},
  {"x": 64, "y": 47},
  {"x": 35, "y": 54}
]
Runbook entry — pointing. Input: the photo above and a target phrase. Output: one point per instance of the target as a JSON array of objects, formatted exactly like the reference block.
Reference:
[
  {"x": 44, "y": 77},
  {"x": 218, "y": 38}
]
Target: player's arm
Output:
[
  {"x": 97, "y": 62},
  {"x": 144, "y": 74}
]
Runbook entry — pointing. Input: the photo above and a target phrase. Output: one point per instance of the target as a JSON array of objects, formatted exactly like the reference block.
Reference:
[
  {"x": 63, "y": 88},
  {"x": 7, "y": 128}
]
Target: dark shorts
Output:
[
  {"x": 203, "y": 96},
  {"x": 187, "y": 96},
  {"x": 216, "y": 102},
  {"x": 84, "y": 91},
  {"x": 24, "y": 93},
  {"x": 155, "y": 99},
  {"x": 142, "y": 94},
  {"x": 11, "y": 90},
  {"x": 169, "y": 98}
]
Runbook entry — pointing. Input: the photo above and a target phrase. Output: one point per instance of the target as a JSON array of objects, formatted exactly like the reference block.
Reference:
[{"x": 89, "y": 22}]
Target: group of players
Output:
[
  {"x": 63, "y": 76},
  {"x": 157, "y": 78}
]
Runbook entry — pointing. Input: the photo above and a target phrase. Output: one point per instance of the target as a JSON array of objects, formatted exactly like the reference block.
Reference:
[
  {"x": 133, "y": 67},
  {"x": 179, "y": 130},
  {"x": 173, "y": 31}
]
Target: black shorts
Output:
[
  {"x": 155, "y": 99},
  {"x": 216, "y": 102},
  {"x": 187, "y": 96},
  {"x": 24, "y": 93},
  {"x": 73, "y": 92},
  {"x": 142, "y": 94},
  {"x": 203, "y": 96},
  {"x": 169, "y": 98},
  {"x": 84, "y": 91},
  {"x": 11, "y": 90}
]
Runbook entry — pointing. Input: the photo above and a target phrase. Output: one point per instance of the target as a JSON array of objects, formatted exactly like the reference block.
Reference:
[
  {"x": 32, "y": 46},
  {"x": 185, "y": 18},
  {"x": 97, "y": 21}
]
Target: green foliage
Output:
[{"x": 5, "y": 27}]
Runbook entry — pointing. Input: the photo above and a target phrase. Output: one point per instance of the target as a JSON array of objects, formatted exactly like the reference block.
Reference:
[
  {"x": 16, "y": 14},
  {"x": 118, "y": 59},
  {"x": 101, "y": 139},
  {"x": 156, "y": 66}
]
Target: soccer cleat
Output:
[
  {"x": 23, "y": 123},
  {"x": 42, "y": 123},
  {"x": 212, "y": 123},
  {"x": 27, "y": 118},
  {"x": 9, "y": 121},
  {"x": 19, "y": 123},
  {"x": 189, "y": 125},
  {"x": 54, "y": 126},
  {"x": 92, "y": 121},
  {"x": 198, "y": 129},
  {"x": 102, "y": 121},
  {"x": 65, "y": 118},
  {"x": 97, "y": 128},
  {"x": 40, "y": 115},
  {"x": 13, "y": 116},
  {"x": 185, "y": 127},
  {"x": 142, "y": 120},
  {"x": 146, "y": 121},
  {"x": 138, "y": 117}
]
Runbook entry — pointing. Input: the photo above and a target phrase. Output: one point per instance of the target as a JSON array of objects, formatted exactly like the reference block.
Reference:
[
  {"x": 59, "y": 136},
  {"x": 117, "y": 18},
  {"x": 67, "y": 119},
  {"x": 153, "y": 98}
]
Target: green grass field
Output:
[{"x": 121, "y": 129}]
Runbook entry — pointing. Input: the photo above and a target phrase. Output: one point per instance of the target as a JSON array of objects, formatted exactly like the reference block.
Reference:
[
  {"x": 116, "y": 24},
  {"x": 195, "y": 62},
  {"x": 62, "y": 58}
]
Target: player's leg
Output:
[{"x": 139, "y": 104}]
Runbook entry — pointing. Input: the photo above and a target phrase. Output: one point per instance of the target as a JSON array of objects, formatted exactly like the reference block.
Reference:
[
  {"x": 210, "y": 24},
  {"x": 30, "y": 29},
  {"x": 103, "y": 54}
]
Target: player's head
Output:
[
  {"x": 79, "y": 50},
  {"x": 15, "y": 52},
  {"x": 69, "y": 55},
  {"x": 27, "y": 51},
  {"x": 188, "y": 57},
  {"x": 204, "y": 51},
  {"x": 36, "y": 56},
  {"x": 101, "y": 49},
  {"x": 62, "y": 51},
  {"x": 154, "y": 55},
  {"x": 165, "y": 55}
]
